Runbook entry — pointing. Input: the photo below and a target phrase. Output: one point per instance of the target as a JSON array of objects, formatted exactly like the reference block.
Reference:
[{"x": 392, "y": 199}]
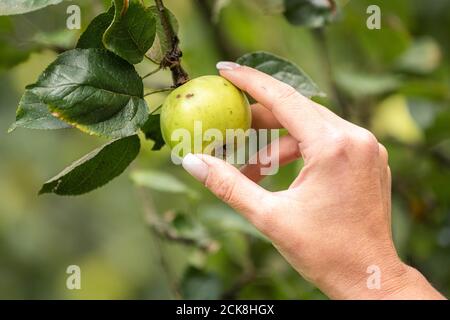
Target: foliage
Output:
[
  {"x": 92, "y": 89},
  {"x": 132, "y": 31},
  {"x": 310, "y": 13},
  {"x": 393, "y": 81},
  {"x": 282, "y": 70},
  {"x": 9, "y": 7},
  {"x": 83, "y": 175}
]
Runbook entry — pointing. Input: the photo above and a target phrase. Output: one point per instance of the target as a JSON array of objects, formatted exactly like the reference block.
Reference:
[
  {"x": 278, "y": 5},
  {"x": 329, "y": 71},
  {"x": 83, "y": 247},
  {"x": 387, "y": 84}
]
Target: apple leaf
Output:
[
  {"x": 152, "y": 131},
  {"x": 92, "y": 37},
  {"x": 95, "y": 169},
  {"x": 358, "y": 84},
  {"x": 159, "y": 181},
  {"x": 282, "y": 70},
  {"x": 95, "y": 91},
  {"x": 132, "y": 31},
  {"x": 11, "y": 7},
  {"x": 161, "y": 44},
  {"x": 422, "y": 58},
  {"x": 310, "y": 13},
  {"x": 32, "y": 114},
  {"x": 219, "y": 218}
]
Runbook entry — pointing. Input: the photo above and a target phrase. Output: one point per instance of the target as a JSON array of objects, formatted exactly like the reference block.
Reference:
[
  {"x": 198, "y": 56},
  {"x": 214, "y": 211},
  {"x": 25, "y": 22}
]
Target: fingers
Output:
[
  {"x": 227, "y": 183},
  {"x": 263, "y": 118},
  {"x": 385, "y": 173},
  {"x": 299, "y": 115},
  {"x": 284, "y": 153}
]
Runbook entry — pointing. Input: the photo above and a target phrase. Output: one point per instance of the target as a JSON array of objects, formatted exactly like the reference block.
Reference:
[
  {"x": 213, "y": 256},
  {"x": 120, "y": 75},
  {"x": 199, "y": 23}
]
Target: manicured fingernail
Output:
[
  {"x": 196, "y": 167},
  {"x": 227, "y": 65}
]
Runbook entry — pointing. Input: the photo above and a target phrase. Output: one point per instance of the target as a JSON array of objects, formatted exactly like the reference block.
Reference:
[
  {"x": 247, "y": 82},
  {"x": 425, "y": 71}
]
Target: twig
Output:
[
  {"x": 152, "y": 72},
  {"x": 153, "y": 112},
  {"x": 172, "y": 59},
  {"x": 164, "y": 231},
  {"x": 150, "y": 59},
  {"x": 158, "y": 91},
  {"x": 150, "y": 215}
]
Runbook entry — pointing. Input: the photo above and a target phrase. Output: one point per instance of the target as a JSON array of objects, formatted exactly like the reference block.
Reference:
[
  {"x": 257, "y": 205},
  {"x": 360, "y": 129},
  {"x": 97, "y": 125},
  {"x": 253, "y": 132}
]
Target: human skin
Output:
[{"x": 334, "y": 221}]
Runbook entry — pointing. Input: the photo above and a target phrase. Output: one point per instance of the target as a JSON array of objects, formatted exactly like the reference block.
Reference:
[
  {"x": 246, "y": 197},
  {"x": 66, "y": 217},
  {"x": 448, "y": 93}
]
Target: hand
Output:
[{"x": 334, "y": 221}]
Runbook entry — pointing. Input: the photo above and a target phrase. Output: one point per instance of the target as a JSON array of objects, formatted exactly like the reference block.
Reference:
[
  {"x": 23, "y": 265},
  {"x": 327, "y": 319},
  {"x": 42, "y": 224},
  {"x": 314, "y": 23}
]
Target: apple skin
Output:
[{"x": 213, "y": 100}]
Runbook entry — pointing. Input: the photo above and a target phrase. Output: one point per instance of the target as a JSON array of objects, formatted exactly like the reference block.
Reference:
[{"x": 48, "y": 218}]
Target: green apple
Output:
[{"x": 205, "y": 105}]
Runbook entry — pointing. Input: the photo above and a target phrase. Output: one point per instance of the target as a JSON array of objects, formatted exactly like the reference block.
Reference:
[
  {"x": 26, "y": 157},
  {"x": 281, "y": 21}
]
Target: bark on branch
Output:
[{"x": 172, "y": 58}]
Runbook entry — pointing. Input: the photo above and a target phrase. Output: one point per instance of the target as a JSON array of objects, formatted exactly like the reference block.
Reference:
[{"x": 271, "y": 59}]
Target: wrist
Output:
[
  {"x": 396, "y": 281},
  {"x": 413, "y": 286},
  {"x": 371, "y": 278}
]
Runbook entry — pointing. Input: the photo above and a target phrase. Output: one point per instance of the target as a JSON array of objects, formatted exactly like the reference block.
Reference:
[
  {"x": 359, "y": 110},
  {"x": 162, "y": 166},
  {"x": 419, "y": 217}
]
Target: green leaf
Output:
[
  {"x": 132, "y": 32},
  {"x": 61, "y": 39},
  {"x": 423, "y": 57},
  {"x": 221, "y": 219},
  {"x": 159, "y": 181},
  {"x": 152, "y": 131},
  {"x": 95, "y": 169},
  {"x": 282, "y": 70},
  {"x": 186, "y": 226},
  {"x": 236, "y": 246},
  {"x": 32, "y": 114},
  {"x": 92, "y": 37},
  {"x": 199, "y": 284},
  {"x": 95, "y": 91},
  {"x": 310, "y": 13},
  {"x": 10, "y": 7},
  {"x": 161, "y": 44},
  {"x": 365, "y": 84},
  {"x": 423, "y": 111}
]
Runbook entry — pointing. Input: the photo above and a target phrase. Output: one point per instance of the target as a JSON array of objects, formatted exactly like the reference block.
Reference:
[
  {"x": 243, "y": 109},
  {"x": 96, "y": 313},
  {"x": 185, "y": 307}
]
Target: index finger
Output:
[{"x": 299, "y": 115}]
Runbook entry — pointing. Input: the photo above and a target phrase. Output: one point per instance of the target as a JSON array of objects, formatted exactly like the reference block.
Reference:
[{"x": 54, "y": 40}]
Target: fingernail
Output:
[
  {"x": 227, "y": 65},
  {"x": 196, "y": 167}
]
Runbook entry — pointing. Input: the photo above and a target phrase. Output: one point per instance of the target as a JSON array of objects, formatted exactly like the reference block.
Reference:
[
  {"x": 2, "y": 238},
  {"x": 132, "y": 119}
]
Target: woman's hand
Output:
[{"x": 334, "y": 221}]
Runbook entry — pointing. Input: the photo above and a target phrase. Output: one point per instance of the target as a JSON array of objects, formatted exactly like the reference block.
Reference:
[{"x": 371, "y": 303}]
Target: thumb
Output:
[{"x": 227, "y": 183}]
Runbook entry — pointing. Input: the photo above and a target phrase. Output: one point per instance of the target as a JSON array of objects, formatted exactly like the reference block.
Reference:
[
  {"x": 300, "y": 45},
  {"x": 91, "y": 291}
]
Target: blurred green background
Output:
[{"x": 394, "y": 81}]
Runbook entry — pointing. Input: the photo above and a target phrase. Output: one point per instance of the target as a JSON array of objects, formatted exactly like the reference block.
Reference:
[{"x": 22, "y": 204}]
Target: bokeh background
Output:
[{"x": 394, "y": 81}]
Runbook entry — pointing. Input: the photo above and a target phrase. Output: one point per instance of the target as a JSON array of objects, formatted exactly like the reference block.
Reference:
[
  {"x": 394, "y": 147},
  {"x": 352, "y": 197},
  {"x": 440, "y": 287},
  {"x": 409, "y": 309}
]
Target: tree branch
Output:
[
  {"x": 164, "y": 231},
  {"x": 165, "y": 266},
  {"x": 172, "y": 59}
]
